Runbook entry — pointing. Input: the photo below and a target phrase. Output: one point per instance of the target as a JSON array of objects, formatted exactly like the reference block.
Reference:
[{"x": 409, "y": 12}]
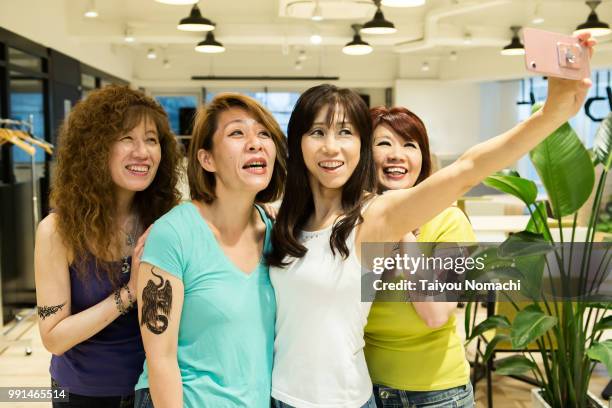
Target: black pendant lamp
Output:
[
  {"x": 515, "y": 47},
  {"x": 378, "y": 24},
  {"x": 357, "y": 46},
  {"x": 210, "y": 45},
  {"x": 593, "y": 25},
  {"x": 195, "y": 21}
]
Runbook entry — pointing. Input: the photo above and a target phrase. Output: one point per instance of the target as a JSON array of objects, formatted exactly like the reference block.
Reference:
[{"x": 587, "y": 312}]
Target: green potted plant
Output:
[{"x": 567, "y": 170}]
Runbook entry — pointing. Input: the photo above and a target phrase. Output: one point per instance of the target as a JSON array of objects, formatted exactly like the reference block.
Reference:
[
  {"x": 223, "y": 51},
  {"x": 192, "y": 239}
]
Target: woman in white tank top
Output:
[{"x": 327, "y": 212}]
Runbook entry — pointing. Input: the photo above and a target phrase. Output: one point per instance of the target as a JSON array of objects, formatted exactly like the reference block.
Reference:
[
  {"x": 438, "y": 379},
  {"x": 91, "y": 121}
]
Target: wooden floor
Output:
[{"x": 18, "y": 369}]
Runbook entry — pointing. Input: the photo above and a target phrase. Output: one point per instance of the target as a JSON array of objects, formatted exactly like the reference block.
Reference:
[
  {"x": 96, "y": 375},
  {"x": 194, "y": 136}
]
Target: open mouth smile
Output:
[
  {"x": 255, "y": 166},
  {"x": 331, "y": 165},
  {"x": 138, "y": 169},
  {"x": 395, "y": 172}
]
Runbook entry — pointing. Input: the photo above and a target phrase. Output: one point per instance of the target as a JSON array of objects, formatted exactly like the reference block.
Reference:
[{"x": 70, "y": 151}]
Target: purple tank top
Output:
[{"x": 110, "y": 362}]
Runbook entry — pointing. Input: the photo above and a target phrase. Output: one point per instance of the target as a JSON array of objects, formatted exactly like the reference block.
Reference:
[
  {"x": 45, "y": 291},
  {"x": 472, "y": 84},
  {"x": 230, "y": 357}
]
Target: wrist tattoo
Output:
[
  {"x": 46, "y": 311},
  {"x": 156, "y": 304}
]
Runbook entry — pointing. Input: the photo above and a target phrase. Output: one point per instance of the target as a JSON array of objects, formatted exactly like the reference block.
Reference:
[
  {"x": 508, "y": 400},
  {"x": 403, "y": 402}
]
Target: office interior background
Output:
[{"x": 444, "y": 62}]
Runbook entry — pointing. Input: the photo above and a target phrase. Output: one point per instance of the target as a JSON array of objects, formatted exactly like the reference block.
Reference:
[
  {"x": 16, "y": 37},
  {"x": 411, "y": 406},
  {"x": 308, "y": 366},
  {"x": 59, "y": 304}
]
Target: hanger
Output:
[
  {"x": 8, "y": 135},
  {"x": 596, "y": 98},
  {"x": 47, "y": 147}
]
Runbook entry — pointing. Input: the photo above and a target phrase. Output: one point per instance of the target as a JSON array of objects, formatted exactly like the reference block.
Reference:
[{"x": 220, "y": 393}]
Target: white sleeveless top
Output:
[{"x": 320, "y": 320}]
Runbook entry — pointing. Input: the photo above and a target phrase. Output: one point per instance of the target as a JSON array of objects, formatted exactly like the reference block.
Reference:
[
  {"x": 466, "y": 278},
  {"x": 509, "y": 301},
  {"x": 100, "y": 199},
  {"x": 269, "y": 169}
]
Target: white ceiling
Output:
[
  {"x": 265, "y": 37},
  {"x": 437, "y": 24}
]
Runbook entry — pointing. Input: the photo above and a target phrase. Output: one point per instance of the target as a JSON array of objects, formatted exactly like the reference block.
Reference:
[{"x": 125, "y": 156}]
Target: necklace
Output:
[{"x": 130, "y": 241}]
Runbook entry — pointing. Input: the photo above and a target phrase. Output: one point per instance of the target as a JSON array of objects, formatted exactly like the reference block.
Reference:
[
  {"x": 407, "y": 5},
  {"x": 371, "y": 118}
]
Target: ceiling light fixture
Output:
[
  {"x": 210, "y": 45},
  {"x": 403, "y": 3},
  {"x": 537, "y": 16},
  {"x": 177, "y": 2},
  {"x": 298, "y": 66},
  {"x": 593, "y": 25},
  {"x": 378, "y": 24},
  {"x": 316, "y": 39},
  {"x": 195, "y": 21},
  {"x": 166, "y": 64},
  {"x": 515, "y": 47},
  {"x": 425, "y": 66},
  {"x": 317, "y": 14},
  {"x": 302, "y": 55},
  {"x": 453, "y": 56},
  {"x": 91, "y": 11},
  {"x": 128, "y": 35},
  {"x": 151, "y": 54},
  {"x": 357, "y": 46},
  {"x": 467, "y": 38}
]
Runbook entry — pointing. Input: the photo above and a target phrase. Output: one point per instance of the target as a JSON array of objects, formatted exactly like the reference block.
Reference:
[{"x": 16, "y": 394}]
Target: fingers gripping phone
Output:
[{"x": 555, "y": 55}]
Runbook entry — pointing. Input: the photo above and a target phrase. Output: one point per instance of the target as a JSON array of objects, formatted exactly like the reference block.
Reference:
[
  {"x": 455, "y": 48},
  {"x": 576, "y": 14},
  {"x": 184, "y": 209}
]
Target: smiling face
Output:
[
  {"x": 242, "y": 155},
  {"x": 398, "y": 161},
  {"x": 330, "y": 151},
  {"x": 135, "y": 156}
]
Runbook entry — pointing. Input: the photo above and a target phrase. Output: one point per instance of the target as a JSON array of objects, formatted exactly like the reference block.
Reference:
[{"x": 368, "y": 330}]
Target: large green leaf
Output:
[
  {"x": 602, "y": 352},
  {"x": 537, "y": 220},
  {"x": 603, "y": 324},
  {"x": 524, "y": 243},
  {"x": 519, "y": 187},
  {"x": 566, "y": 170},
  {"x": 493, "y": 343},
  {"x": 493, "y": 322},
  {"x": 531, "y": 269},
  {"x": 514, "y": 365},
  {"x": 529, "y": 325},
  {"x": 602, "y": 146}
]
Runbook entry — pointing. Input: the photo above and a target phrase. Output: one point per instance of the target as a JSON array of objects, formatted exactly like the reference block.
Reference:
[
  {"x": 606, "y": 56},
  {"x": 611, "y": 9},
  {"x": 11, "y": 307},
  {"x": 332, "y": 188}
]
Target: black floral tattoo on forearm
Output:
[
  {"x": 156, "y": 304},
  {"x": 46, "y": 311}
]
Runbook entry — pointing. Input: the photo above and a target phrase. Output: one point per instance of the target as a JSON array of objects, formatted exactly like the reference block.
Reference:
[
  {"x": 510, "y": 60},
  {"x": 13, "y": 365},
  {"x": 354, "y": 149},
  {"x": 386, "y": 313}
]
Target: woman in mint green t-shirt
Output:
[{"x": 205, "y": 301}]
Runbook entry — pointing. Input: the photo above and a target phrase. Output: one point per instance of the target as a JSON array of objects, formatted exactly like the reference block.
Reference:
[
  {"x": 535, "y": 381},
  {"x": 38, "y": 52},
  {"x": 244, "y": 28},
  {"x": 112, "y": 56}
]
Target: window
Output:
[
  {"x": 280, "y": 104},
  {"x": 24, "y": 60},
  {"x": 27, "y": 101},
  {"x": 180, "y": 110}
]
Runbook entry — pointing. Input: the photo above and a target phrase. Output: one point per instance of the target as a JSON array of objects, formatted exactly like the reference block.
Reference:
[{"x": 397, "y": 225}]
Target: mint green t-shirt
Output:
[{"x": 226, "y": 333}]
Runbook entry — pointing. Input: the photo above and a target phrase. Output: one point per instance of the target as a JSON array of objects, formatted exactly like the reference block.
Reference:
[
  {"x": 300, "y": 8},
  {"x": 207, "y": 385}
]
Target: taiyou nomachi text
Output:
[{"x": 442, "y": 287}]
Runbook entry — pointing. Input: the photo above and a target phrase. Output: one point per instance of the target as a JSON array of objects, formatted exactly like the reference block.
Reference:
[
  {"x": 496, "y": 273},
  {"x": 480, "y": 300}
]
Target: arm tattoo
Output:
[
  {"x": 46, "y": 311},
  {"x": 156, "y": 304}
]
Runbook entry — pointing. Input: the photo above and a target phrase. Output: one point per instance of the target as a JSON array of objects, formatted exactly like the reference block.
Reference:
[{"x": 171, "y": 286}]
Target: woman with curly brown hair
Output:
[{"x": 116, "y": 173}]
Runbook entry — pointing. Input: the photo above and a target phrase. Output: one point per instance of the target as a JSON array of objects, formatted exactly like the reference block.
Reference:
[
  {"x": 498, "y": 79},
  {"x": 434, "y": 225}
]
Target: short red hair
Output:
[{"x": 409, "y": 127}]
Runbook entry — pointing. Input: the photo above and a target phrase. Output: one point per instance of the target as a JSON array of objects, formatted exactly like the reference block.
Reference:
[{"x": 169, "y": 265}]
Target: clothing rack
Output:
[
  {"x": 21, "y": 134},
  {"x": 27, "y": 142}
]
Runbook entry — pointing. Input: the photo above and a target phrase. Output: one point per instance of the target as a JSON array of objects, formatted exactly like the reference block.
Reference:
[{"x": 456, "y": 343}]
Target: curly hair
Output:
[{"x": 83, "y": 193}]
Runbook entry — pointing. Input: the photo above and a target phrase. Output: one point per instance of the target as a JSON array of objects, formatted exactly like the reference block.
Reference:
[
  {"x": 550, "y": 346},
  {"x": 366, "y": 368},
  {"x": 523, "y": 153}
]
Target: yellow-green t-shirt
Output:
[{"x": 402, "y": 352}]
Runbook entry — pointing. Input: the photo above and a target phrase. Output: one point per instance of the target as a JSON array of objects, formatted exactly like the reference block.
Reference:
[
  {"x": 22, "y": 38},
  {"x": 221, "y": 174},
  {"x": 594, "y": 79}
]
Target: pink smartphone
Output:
[{"x": 554, "y": 54}]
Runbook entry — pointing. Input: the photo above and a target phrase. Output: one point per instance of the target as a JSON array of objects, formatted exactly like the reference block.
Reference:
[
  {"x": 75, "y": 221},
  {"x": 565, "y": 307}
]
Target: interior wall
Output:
[
  {"x": 377, "y": 70},
  {"x": 498, "y": 109},
  {"x": 44, "y": 21},
  {"x": 451, "y": 112}
]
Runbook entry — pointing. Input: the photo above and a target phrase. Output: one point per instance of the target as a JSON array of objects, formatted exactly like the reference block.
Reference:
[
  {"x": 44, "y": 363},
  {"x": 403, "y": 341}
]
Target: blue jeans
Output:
[
  {"x": 458, "y": 397},
  {"x": 142, "y": 399},
  {"x": 279, "y": 404}
]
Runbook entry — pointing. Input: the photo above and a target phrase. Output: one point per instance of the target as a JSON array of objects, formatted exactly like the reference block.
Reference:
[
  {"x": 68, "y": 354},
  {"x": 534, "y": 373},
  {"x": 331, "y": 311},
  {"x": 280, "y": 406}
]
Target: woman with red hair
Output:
[{"x": 421, "y": 360}]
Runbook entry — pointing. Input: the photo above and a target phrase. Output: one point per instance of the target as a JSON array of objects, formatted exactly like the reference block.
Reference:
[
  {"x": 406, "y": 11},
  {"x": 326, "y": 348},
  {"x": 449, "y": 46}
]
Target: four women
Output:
[{"x": 217, "y": 330}]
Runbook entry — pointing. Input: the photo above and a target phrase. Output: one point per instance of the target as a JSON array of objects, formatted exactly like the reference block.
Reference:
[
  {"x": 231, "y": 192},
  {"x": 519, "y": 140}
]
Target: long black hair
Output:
[{"x": 297, "y": 205}]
